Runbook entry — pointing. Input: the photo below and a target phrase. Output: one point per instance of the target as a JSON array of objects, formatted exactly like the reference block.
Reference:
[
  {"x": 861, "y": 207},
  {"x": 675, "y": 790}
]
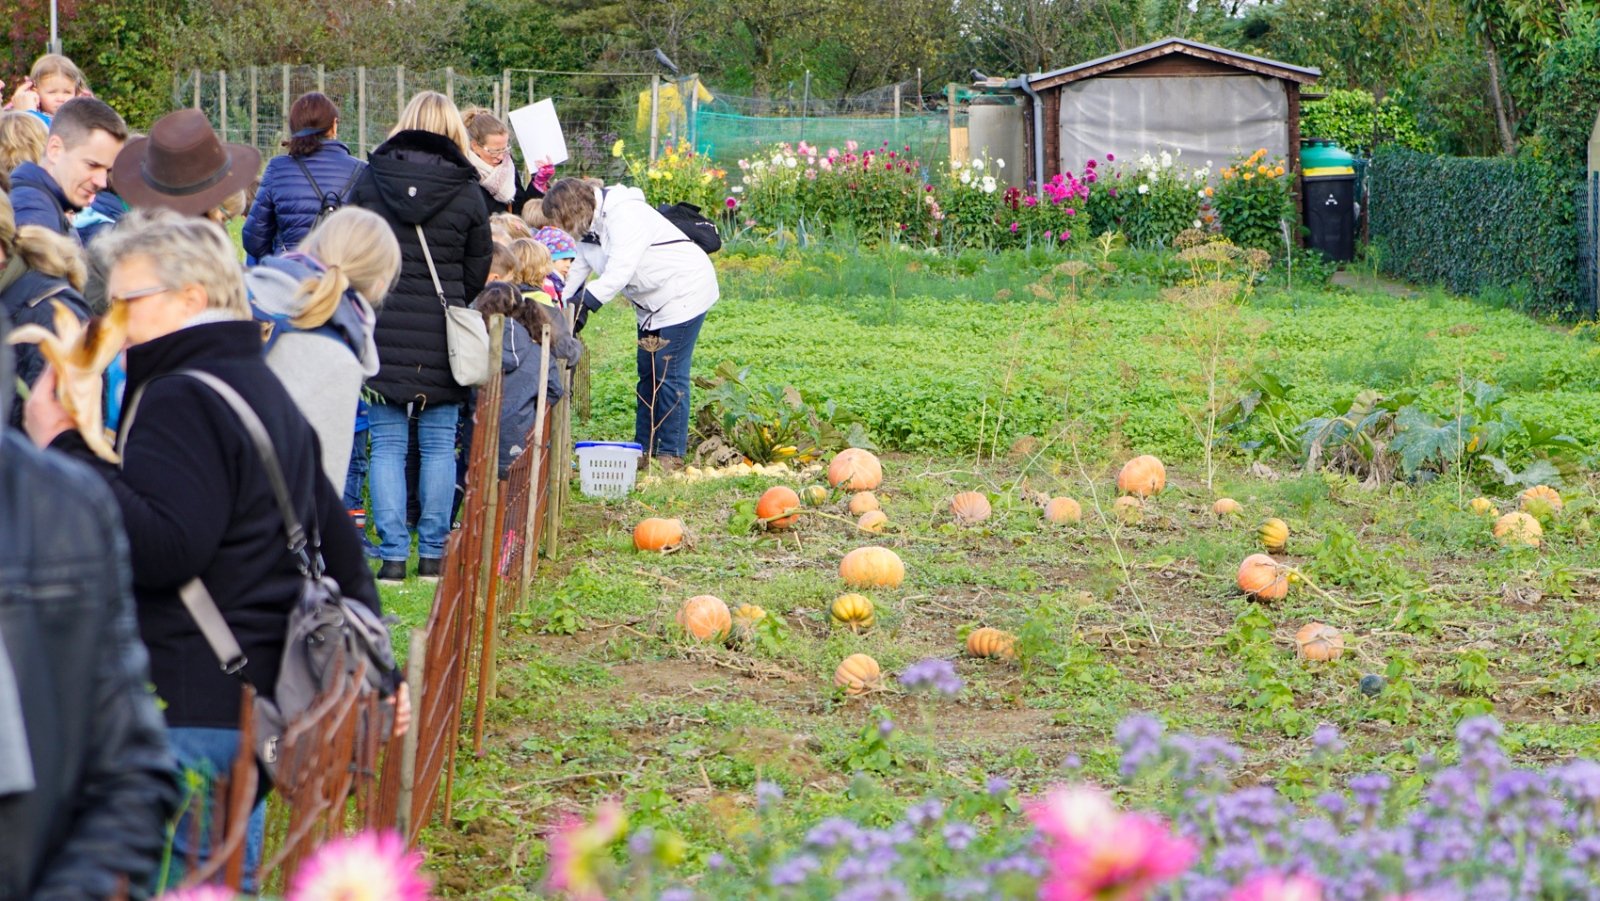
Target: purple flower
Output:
[
  {"x": 1139, "y": 736},
  {"x": 997, "y": 785},
  {"x": 885, "y": 727},
  {"x": 833, "y": 832},
  {"x": 715, "y": 861},
  {"x": 767, "y": 794},
  {"x": 793, "y": 871},
  {"x": 925, "y": 814},
  {"x": 957, "y": 836},
  {"x": 933, "y": 676},
  {"x": 677, "y": 893},
  {"x": 1326, "y": 742},
  {"x": 1369, "y": 789}
]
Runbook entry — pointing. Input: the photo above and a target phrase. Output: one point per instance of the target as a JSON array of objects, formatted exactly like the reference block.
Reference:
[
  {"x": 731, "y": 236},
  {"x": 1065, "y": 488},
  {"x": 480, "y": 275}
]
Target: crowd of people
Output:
[{"x": 326, "y": 376}]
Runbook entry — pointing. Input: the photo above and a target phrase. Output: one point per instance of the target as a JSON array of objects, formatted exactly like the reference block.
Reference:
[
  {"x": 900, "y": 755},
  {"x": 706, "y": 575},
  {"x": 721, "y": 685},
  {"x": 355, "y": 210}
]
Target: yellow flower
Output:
[
  {"x": 616, "y": 149},
  {"x": 1262, "y": 169},
  {"x": 1210, "y": 192},
  {"x": 657, "y": 174},
  {"x": 1249, "y": 175},
  {"x": 1278, "y": 171},
  {"x": 705, "y": 178}
]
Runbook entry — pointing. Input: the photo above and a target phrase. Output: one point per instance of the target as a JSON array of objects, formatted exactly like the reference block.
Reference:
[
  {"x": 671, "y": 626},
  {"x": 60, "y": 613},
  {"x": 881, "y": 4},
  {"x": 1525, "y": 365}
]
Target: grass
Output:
[{"x": 602, "y": 696}]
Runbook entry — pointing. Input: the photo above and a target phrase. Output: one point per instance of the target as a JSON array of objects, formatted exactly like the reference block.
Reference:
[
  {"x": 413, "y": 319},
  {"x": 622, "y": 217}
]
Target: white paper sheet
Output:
[{"x": 539, "y": 134}]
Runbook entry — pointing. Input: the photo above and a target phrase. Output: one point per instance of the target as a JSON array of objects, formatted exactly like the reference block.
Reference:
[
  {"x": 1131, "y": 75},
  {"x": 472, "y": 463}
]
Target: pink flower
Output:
[
  {"x": 850, "y": 146},
  {"x": 928, "y": 188},
  {"x": 1049, "y": 235},
  {"x": 1097, "y": 853},
  {"x": 811, "y": 174},
  {"x": 1091, "y": 164},
  {"x": 1030, "y": 200},
  {"x": 833, "y": 152},
  {"x": 1273, "y": 887},
  {"x": 366, "y": 865},
  {"x": 200, "y": 893},
  {"x": 1015, "y": 226},
  {"x": 576, "y": 847},
  {"x": 1065, "y": 235},
  {"x": 892, "y": 154},
  {"x": 888, "y": 167},
  {"x": 1111, "y": 157},
  {"x": 731, "y": 203},
  {"x": 1071, "y": 212}
]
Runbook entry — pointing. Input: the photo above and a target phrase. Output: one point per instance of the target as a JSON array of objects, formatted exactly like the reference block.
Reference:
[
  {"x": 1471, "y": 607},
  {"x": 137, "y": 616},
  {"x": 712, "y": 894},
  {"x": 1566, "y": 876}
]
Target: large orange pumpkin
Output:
[
  {"x": 1262, "y": 578},
  {"x": 1540, "y": 496},
  {"x": 853, "y": 610},
  {"x": 873, "y": 521},
  {"x": 863, "y": 502},
  {"x": 988, "y": 642},
  {"x": 776, "y": 507},
  {"x": 705, "y": 617},
  {"x": 970, "y": 507},
  {"x": 1517, "y": 527},
  {"x": 858, "y": 673},
  {"x": 1274, "y": 535},
  {"x": 855, "y": 469},
  {"x": 872, "y": 567},
  {"x": 1318, "y": 642},
  {"x": 1143, "y": 475},
  {"x": 655, "y": 534},
  {"x": 1063, "y": 510}
]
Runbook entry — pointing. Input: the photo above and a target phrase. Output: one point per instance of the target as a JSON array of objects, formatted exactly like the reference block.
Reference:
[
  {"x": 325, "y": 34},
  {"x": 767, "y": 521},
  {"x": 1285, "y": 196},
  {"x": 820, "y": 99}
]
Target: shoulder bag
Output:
[{"x": 465, "y": 334}]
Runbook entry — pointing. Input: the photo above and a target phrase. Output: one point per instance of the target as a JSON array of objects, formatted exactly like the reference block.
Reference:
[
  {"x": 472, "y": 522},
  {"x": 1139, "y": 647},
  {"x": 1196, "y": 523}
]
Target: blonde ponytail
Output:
[
  {"x": 320, "y": 297},
  {"x": 46, "y": 252}
]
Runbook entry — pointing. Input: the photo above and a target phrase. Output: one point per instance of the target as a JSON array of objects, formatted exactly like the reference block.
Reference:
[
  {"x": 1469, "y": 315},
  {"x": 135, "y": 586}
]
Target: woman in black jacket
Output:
[
  {"x": 194, "y": 500},
  {"x": 421, "y": 183}
]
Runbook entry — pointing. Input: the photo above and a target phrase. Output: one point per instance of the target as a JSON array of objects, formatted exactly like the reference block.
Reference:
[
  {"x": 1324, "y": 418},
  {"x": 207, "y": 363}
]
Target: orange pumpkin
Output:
[
  {"x": 987, "y": 642},
  {"x": 1482, "y": 506},
  {"x": 1226, "y": 506},
  {"x": 1274, "y": 535},
  {"x": 857, "y": 674},
  {"x": 661, "y": 535},
  {"x": 1262, "y": 578},
  {"x": 705, "y": 617},
  {"x": 863, "y": 502},
  {"x": 970, "y": 507},
  {"x": 872, "y": 567},
  {"x": 1128, "y": 510},
  {"x": 776, "y": 507},
  {"x": 814, "y": 496},
  {"x": 1517, "y": 527},
  {"x": 1318, "y": 642},
  {"x": 873, "y": 521},
  {"x": 855, "y": 469},
  {"x": 853, "y": 610},
  {"x": 1063, "y": 510},
  {"x": 1540, "y": 495},
  {"x": 1143, "y": 475}
]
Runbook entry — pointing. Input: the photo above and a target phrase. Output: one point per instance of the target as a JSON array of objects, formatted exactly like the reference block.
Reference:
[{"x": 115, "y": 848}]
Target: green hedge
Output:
[{"x": 1496, "y": 225}]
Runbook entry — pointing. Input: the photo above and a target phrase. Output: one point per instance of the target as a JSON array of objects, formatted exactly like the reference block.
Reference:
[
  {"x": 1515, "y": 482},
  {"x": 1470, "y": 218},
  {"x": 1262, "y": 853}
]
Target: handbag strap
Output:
[{"x": 427, "y": 255}]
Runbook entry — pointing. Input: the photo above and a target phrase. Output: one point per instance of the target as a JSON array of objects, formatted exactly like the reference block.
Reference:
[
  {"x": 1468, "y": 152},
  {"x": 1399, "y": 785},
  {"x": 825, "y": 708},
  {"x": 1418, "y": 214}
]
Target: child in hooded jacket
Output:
[{"x": 521, "y": 358}]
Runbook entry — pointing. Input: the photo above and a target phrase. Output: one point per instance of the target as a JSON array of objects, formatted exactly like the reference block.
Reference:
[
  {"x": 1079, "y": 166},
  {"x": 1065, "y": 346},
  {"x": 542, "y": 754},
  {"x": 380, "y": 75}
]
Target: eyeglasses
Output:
[
  {"x": 141, "y": 294},
  {"x": 497, "y": 154}
]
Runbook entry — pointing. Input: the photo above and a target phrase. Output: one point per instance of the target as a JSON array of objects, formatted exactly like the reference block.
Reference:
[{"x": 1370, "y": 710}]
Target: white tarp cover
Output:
[{"x": 1208, "y": 118}]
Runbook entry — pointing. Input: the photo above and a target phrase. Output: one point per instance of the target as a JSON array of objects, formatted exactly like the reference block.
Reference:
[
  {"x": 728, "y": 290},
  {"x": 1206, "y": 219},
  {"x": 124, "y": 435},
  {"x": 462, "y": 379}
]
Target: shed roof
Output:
[{"x": 1168, "y": 47}]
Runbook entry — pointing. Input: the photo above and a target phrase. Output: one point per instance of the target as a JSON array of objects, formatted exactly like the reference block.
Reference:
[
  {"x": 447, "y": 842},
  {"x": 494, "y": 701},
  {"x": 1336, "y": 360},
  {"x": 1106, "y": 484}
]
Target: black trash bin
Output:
[{"x": 1329, "y": 198}]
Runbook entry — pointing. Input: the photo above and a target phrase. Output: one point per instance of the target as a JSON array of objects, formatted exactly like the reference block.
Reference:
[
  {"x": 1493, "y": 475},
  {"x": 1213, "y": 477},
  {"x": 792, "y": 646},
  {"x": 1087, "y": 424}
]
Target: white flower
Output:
[
  {"x": 1209, "y": 164},
  {"x": 1000, "y": 163},
  {"x": 1197, "y": 223},
  {"x": 1166, "y": 160},
  {"x": 988, "y": 184},
  {"x": 977, "y": 163},
  {"x": 1200, "y": 193},
  {"x": 1150, "y": 176},
  {"x": 738, "y": 189},
  {"x": 956, "y": 164},
  {"x": 966, "y": 177},
  {"x": 1144, "y": 189},
  {"x": 1146, "y": 162},
  {"x": 791, "y": 162}
]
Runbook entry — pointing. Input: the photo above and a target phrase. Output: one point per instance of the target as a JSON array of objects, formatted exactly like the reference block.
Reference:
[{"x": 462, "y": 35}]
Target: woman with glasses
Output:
[{"x": 490, "y": 143}]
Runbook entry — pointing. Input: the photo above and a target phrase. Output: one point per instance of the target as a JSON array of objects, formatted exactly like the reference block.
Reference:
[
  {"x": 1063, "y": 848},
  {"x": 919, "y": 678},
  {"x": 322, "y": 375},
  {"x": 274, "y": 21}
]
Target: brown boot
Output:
[{"x": 669, "y": 464}]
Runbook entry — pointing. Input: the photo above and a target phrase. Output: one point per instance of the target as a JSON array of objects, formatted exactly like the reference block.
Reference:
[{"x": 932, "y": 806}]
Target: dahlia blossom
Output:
[
  {"x": 370, "y": 866},
  {"x": 1098, "y": 854},
  {"x": 575, "y": 847}
]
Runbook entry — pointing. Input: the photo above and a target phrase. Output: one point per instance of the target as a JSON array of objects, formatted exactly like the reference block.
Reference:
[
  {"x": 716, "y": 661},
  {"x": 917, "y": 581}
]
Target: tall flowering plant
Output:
[
  {"x": 967, "y": 200},
  {"x": 877, "y": 192},
  {"x": 1253, "y": 199},
  {"x": 1152, "y": 199},
  {"x": 679, "y": 175}
]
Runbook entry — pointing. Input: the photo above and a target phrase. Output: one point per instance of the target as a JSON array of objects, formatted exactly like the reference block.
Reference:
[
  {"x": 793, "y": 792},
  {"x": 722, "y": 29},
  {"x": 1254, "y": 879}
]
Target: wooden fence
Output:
[{"x": 335, "y": 773}]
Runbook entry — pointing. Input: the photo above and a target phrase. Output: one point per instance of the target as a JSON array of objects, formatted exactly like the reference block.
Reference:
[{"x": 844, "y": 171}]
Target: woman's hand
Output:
[
  {"x": 26, "y": 98},
  {"x": 43, "y": 416},
  {"x": 402, "y": 710}
]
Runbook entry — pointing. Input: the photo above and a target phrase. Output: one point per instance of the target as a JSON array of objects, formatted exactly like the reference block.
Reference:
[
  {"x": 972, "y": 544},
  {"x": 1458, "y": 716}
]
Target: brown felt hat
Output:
[{"x": 182, "y": 165}]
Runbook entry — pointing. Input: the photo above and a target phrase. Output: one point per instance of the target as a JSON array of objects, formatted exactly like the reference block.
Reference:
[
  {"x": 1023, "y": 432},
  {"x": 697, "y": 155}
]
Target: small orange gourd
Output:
[
  {"x": 970, "y": 507},
  {"x": 1128, "y": 510},
  {"x": 814, "y": 495},
  {"x": 705, "y": 617},
  {"x": 1063, "y": 510},
  {"x": 1262, "y": 578},
  {"x": 989, "y": 642},
  {"x": 1517, "y": 527},
  {"x": 863, "y": 502},
  {"x": 656, "y": 534},
  {"x": 855, "y": 469},
  {"x": 1226, "y": 506},
  {"x": 872, "y": 567},
  {"x": 873, "y": 521},
  {"x": 853, "y": 610},
  {"x": 1319, "y": 642},
  {"x": 1143, "y": 475},
  {"x": 1482, "y": 506},
  {"x": 776, "y": 507},
  {"x": 857, "y": 674},
  {"x": 1274, "y": 535}
]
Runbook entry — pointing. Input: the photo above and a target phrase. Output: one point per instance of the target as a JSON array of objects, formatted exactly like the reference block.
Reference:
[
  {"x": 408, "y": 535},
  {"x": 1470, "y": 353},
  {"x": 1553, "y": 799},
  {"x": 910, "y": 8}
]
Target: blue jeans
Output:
[
  {"x": 356, "y": 478},
  {"x": 208, "y": 753},
  {"x": 661, "y": 420},
  {"x": 436, "y": 440}
]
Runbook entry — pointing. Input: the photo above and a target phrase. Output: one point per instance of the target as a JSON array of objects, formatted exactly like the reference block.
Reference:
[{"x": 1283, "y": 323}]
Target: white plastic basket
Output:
[{"x": 607, "y": 468}]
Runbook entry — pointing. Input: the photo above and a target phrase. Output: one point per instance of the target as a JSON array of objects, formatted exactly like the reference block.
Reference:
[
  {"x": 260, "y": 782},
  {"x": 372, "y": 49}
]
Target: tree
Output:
[{"x": 1010, "y": 37}]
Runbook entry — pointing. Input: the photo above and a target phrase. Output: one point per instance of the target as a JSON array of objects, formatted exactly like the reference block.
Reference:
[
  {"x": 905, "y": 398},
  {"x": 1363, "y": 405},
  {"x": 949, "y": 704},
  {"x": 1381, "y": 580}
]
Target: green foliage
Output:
[
  {"x": 1149, "y": 201},
  {"x": 1480, "y": 225},
  {"x": 1359, "y": 123},
  {"x": 1580, "y": 640},
  {"x": 1253, "y": 201},
  {"x": 880, "y": 747},
  {"x": 772, "y": 423},
  {"x": 1569, "y": 91},
  {"x": 125, "y": 51}
]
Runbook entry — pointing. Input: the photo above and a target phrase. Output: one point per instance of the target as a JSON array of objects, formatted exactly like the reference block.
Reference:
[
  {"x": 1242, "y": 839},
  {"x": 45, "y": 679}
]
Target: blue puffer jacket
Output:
[{"x": 287, "y": 206}]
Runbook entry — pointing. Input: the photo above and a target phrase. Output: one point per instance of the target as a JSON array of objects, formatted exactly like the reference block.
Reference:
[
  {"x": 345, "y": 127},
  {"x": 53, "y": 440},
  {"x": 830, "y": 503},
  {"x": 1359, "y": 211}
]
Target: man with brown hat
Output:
[{"x": 183, "y": 166}]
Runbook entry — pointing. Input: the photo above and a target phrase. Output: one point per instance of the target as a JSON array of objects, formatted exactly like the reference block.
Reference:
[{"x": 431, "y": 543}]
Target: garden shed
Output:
[{"x": 1174, "y": 94}]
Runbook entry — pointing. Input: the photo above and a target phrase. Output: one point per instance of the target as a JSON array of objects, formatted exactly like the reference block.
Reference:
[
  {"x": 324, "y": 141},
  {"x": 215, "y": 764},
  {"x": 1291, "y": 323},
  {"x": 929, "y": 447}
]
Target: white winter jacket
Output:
[{"x": 641, "y": 255}]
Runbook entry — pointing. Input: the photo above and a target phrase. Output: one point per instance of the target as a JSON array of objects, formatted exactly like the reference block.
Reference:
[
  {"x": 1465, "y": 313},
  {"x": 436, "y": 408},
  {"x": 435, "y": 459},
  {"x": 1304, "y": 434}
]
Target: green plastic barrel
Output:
[{"x": 1319, "y": 157}]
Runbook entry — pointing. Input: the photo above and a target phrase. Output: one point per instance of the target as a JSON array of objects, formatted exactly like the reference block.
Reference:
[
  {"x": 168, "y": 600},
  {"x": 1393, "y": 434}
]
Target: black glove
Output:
[{"x": 586, "y": 305}]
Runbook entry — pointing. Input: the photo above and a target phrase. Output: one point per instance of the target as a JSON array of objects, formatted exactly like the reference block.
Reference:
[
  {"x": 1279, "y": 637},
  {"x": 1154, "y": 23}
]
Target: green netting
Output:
[{"x": 727, "y": 138}]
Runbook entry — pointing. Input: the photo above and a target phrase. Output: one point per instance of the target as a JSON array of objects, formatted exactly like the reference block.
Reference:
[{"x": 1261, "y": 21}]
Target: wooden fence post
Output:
[
  {"x": 255, "y": 107},
  {"x": 484, "y": 594},
  {"x": 399, "y": 89},
  {"x": 283, "y": 111},
  {"x": 450, "y": 83},
  {"x": 408, "y": 743},
  {"x": 505, "y": 95},
  {"x": 361, "y": 110},
  {"x": 541, "y": 411},
  {"x": 322, "y": 79},
  {"x": 197, "y": 89},
  {"x": 222, "y": 104},
  {"x": 655, "y": 114}
]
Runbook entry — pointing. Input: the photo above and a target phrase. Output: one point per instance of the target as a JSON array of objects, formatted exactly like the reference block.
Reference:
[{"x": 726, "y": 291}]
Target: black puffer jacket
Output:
[
  {"x": 104, "y": 779},
  {"x": 420, "y": 178}
]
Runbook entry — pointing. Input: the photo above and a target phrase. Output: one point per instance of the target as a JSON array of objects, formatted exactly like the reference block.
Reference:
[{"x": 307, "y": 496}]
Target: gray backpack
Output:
[{"x": 324, "y": 627}]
